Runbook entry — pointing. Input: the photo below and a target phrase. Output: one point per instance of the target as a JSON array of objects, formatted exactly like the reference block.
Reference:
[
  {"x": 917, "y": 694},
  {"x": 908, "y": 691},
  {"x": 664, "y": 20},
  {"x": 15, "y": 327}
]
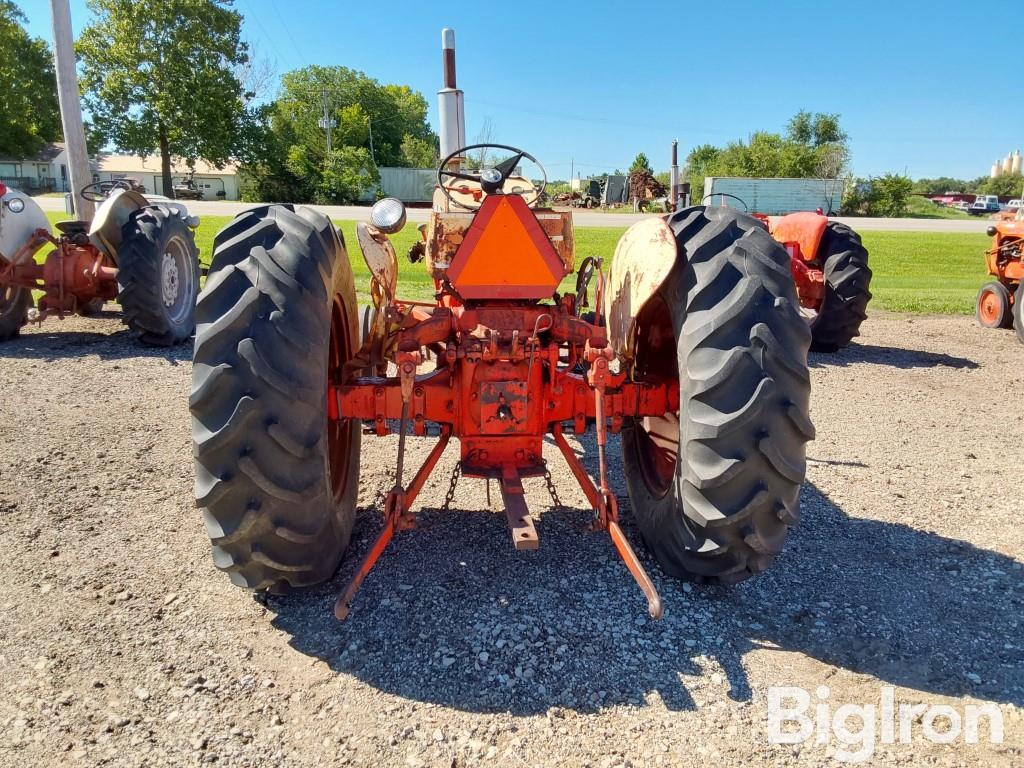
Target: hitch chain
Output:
[
  {"x": 450, "y": 495},
  {"x": 552, "y": 491}
]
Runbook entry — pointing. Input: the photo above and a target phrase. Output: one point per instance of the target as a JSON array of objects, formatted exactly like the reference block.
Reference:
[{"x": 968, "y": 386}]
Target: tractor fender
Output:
[
  {"x": 381, "y": 260},
  {"x": 16, "y": 228},
  {"x": 644, "y": 257},
  {"x": 805, "y": 228}
]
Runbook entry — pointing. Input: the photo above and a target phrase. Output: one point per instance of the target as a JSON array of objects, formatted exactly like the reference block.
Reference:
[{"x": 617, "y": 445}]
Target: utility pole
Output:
[
  {"x": 369, "y": 125},
  {"x": 71, "y": 108},
  {"x": 326, "y": 122}
]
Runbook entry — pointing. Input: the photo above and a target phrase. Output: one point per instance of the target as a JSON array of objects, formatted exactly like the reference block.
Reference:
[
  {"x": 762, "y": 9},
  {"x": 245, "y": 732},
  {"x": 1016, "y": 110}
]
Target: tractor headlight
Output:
[
  {"x": 388, "y": 215},
  {"x": 16, "y": 205}
]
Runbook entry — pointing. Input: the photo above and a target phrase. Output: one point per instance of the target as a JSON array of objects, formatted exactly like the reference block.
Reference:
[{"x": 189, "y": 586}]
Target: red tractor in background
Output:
[
  {"x": 830, "y": 268},
  {"x": 140, "y": 252},
  {"x": 1000, "y": 302}
]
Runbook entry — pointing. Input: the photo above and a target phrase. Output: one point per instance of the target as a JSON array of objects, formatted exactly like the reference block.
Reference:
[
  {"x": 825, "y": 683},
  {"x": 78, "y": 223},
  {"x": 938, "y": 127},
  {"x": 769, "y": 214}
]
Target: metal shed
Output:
[
  {"x": 410, "y": 185},
  {"x": 775, "y": 197}
]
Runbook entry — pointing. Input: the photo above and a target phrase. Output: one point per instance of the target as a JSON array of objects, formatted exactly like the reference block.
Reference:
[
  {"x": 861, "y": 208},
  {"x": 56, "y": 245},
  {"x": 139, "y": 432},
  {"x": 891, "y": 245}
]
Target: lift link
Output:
[
  {"x": 397, "y": 505},
  {"x": 608, "y": 506}
]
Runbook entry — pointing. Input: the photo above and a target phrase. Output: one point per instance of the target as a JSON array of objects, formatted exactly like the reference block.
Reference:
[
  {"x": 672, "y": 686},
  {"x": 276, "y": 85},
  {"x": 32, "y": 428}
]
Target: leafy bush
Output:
[{"x": 878, "y": 196}]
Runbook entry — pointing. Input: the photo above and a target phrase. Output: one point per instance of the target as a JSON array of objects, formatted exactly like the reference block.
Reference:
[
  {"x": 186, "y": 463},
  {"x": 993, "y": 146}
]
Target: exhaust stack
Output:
[{"x": 450, "y": 100}]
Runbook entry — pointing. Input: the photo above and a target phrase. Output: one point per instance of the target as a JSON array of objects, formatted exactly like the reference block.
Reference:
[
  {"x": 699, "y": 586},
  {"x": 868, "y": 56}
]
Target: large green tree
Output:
[
  {"x": 29, "y": 112},
  {"x": 370, "y": 125},
  {"x": 814, "y": 146},
  {"x": 161, "y": 78}
]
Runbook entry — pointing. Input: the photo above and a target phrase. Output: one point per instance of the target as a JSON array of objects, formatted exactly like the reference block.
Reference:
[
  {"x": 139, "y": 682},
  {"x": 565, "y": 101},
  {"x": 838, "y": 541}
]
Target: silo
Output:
[
  {"x": 1007, "y": 163},
  {"x": 1016, "y": 165},
  {"x": 995, "y": 169}
]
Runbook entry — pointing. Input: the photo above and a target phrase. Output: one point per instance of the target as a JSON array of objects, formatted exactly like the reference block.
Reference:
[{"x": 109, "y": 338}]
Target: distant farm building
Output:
[
  {"x": 47, "y": 171},
  {"x": 214, "y": 183},
  {"x": 775, "y": 197}
]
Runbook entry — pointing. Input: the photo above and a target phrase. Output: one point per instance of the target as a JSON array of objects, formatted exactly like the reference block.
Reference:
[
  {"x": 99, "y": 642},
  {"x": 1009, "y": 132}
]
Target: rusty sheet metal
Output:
[
  {"x": 380, "y": 258},
  {"x": 446, "y": 231},
  {"x": 643, "y": 259}
]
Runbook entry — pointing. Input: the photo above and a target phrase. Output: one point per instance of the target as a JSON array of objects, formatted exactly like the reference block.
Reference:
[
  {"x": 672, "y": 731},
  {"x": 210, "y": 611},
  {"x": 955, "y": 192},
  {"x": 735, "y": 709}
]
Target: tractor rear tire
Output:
[
  {"x": 14, "y": 304},
  {"x": 158, "y": 276},
  {"x": 992, "y": 308},
  {"x": 275, "y": 479},
  {"x": 847, "y": 278},
  {"x": 714, "y": 487},
  {"x": 1018, "y": 312}
]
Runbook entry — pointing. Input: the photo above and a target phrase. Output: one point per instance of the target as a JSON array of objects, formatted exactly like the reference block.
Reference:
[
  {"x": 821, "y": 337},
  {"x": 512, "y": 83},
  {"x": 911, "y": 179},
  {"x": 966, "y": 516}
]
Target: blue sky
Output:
[{"x": 927, "y": 88}]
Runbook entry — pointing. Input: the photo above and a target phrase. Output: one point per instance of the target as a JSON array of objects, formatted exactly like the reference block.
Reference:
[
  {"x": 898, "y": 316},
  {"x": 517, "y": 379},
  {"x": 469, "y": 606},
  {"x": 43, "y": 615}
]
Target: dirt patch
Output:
[{"x": 122, "y": 645}]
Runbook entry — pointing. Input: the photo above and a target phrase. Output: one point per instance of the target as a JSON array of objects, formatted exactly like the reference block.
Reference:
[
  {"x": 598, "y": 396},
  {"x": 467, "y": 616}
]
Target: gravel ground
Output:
[{"x": 121, "y": 645}]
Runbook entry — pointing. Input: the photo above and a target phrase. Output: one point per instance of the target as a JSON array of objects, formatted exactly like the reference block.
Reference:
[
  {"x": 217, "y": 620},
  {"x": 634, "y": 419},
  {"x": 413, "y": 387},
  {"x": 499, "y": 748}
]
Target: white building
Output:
[
  {"x": 214, "y": 183},
  {"x": 48, "y": 172}
]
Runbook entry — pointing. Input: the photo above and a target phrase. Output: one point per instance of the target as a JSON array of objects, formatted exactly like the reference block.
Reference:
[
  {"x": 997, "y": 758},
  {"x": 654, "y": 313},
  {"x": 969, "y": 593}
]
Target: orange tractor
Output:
[
  {"x": 695, "y": 354},
  {"x": 1000, "y": 301},
  {"x": 141, "y": 252},
  {"x": 830, "y": 268}
]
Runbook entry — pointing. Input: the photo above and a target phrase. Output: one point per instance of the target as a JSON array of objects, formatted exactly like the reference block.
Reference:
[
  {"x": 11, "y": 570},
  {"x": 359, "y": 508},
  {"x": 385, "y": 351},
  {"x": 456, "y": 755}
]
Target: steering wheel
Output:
[
  {"x": 99, "y": 191},
  {"x": 491, "y": 180},
  {"x": 724, "y": 194}
]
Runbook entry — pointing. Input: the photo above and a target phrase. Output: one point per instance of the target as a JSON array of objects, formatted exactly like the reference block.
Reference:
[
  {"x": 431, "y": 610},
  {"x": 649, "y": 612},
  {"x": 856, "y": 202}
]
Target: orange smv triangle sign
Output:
[{"x": 506, "y": 254}]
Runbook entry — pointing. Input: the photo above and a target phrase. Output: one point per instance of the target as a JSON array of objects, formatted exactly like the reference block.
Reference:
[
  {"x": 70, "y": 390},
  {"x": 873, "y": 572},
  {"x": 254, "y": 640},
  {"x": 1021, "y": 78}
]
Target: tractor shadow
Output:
[
  {"x": 894, "y": 357},
  {"x": 454, "y": 616},
  {"x": 50, "y": 344}
]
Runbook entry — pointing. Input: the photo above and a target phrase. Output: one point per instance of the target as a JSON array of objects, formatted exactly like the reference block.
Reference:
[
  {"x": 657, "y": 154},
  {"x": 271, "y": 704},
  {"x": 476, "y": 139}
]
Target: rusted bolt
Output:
[
  {"x": 379, "y": 392},
  {"x": 419, "y": 391}
]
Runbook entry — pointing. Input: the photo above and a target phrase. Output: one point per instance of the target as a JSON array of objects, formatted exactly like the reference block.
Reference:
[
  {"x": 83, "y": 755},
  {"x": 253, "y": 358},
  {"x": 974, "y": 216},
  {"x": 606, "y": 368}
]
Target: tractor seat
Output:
[{"x": 72, "y": 227}]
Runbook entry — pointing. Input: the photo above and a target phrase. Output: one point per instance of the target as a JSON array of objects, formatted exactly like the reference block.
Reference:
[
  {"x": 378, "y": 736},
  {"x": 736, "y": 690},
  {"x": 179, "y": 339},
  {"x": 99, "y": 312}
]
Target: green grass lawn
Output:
[{"x": 913, "y": 271}]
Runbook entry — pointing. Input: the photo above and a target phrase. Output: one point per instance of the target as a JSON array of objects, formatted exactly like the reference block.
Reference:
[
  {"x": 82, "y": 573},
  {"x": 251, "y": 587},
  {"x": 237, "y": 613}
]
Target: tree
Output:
[
  {"x": 29, "y": 111},
  {"x": 372, "y": 125},
  {"x": 163, "y": 77},
  {"x": 1007, "y": 185},
  {"x": 878, "y": 196},
  {"x": 641, "y": 163},
  {"x": 940, "y": 185},
  {"x": 814, "y": 146}
]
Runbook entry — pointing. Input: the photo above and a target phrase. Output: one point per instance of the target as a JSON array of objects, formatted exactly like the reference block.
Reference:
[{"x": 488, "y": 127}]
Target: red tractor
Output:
[
  {"x": 830, "y": 268},
  {"x": 143, "y": 254},
  {"x": 1000, "y": 301},
  {"x": 696, "y": 356}
]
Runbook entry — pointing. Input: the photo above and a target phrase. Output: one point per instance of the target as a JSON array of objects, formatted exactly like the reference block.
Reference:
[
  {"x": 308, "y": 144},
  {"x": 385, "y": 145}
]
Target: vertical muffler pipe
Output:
[
  {"x": 450, "y": 106},
  {"x": 674, "y": 178}
]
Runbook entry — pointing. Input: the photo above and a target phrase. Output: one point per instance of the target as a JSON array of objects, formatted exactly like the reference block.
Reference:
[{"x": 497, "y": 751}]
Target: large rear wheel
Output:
[
  {"x": 158, "y": 276},
  {"x": 844, "y": 260},
  {"x": 14, "y": 304},
  {"x": 276, "y": 321},
  {"x": 1018, "y": 312},
  {"x": 714, "y": 486}
]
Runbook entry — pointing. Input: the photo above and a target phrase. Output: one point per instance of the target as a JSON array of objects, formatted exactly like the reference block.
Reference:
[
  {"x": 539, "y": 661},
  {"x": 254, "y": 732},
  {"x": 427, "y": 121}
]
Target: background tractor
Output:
[
  {"x": 1000, "y": 301},
  {"x": 140, "y": 253},
  {"x": 830, "y": 268}
]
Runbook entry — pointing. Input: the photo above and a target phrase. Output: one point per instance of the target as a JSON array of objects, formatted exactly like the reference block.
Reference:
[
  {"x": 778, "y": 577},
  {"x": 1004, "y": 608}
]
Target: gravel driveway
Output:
[{"x": 121, "y": 645}]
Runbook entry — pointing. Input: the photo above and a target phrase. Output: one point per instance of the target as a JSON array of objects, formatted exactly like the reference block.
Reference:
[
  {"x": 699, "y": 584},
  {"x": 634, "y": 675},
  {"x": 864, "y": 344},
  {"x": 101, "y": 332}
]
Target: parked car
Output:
[
  {"x": 984, "y": 204},
  {"x": 1013, "y": 205},
  {"x": 963, "y": 205}
]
